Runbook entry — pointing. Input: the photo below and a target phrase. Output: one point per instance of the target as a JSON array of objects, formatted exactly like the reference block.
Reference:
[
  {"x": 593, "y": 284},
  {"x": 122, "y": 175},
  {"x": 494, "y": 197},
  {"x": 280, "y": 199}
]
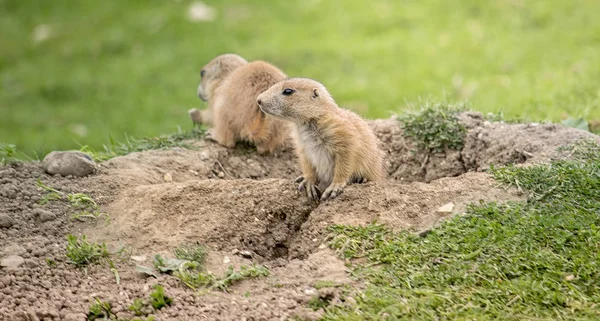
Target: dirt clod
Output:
[
  {"x": 11, "y": 261},
  {"x": 43, "y": 215},
  {"x": 5, "y": 220}
]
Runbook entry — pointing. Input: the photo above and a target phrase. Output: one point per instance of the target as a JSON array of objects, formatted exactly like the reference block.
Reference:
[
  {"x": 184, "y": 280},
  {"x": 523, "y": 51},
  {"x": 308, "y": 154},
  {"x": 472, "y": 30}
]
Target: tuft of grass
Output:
[
  {"x": 137, "y": 307},
  {"x": 51, "y": 262},
  {"x": 196, "y": 279},
  {"x": 158, "y": 299},
  {"x": 100, "y": 310},
  {"x": 533, "y": 260},
  {"x": 131, "y": 144},
  {"x": 325, "y": 284},
  {"x": 318, "y": 302},
  {"x": 88, "y": 208},
  {"x": 193, "y": 253},
  {"x": 435, "y": 127},
  {"x": 81, "y": 252},
  {"x": 7, "y": 153},
  {"x": 187, "y": 267}
]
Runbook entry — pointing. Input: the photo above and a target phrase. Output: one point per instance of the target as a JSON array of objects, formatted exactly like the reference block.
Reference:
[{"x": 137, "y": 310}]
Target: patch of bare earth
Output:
[{"x": 235, "y": 202}]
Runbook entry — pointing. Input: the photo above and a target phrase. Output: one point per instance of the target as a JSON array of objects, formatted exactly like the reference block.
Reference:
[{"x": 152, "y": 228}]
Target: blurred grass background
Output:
[{"x": 81, "y": 70}]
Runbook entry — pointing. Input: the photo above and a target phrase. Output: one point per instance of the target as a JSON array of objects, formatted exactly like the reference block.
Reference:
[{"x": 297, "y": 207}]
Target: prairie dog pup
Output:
[
  {"x": 230, "y": 84},
  {"x": 334, "y": 145}
]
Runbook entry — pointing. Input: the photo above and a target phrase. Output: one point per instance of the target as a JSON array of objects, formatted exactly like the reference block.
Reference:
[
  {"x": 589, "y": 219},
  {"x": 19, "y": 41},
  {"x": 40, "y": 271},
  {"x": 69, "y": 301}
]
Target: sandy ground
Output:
[{"x": 235, "y": 201}]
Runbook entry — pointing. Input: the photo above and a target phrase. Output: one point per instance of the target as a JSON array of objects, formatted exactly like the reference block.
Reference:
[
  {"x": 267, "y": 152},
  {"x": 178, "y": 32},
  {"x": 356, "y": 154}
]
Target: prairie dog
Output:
[
  {"x": 230, "y": 85},
  {"x": 334, "y": 146}
]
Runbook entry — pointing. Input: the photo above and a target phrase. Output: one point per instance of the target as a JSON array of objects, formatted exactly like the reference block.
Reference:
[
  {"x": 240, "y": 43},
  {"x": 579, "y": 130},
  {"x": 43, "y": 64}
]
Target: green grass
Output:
[
  {"x": 435, "y": 127},
  {"x": 533, "y": 260},
  {"x": 132, "y": 144},
  {"x": 110, "y": 68},
  {"x": 81, "y": 252},
  {"x": 192, "y": 253},
  {"x": 158, "y": 299},
  {"x": 86, "y": 206}
]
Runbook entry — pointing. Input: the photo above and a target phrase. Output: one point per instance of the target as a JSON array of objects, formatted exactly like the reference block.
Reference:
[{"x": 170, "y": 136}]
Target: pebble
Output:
[
  {"x": 5, "y": 220},
  {"x": 140, "y": 258},
  {"x": 67, "y": 163},
  {"x": 11, "y": 261},
  {"x": 246, "y": 254},
  {"x": 446, "y": 208}
]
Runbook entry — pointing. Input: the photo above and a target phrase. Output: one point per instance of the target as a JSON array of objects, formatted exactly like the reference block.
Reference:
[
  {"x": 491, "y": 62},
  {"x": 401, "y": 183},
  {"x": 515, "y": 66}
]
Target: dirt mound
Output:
[
  {"x": 235, "y": 201},
  {"x": 260, "y": 216}
]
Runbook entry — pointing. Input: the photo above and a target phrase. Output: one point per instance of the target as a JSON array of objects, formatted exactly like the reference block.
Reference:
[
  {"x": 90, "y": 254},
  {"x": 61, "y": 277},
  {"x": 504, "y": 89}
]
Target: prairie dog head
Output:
[
  {"x": 295, "y": 99},
  {"x": 213, "y": 73}
]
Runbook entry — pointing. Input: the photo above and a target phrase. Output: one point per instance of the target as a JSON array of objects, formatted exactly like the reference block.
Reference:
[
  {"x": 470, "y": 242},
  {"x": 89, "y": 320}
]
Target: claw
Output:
[
  {"x": 333, "y": 191},
  {"x": 301, "y": 185},
  {"x": 299, "y": 179}
]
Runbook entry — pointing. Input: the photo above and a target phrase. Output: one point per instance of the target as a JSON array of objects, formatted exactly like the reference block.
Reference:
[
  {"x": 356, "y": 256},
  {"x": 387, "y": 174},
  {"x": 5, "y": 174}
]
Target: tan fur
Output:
[
  {"x": 335, "y": 146},
  {"x": 230, "y": 85}
]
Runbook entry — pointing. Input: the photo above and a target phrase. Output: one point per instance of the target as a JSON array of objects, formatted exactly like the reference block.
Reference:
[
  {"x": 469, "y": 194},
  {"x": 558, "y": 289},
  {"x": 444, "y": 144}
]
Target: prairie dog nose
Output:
[{"x": 259, "y": 101}]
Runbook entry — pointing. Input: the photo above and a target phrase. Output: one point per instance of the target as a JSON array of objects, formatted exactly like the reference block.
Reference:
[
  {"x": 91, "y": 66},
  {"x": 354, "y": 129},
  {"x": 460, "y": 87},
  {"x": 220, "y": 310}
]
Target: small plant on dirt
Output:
[
  {"x": 197, "y": 279},
  {"x": 435, "y": 127},
  {"x": 149, "y": 318},
  {"x": 7, "y": 153},
  {"x": 318, "y": 302},
  {"x": 137, "y": 307},
  {"x": 158, "y": 299},
  {"x": 245, "y": 272},
  {"x": 50, "y": 262},
  {"x": 192, "y": 253},
  {"x": 89, "y": 208},
  {"x": 81, "y": 252},
  {"x": 100, "y": 310},
  {"x": 325, "y": 284}
]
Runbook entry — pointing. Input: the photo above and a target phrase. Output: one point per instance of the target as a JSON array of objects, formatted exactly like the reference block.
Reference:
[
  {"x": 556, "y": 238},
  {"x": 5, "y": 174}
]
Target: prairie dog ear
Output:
[
  {"x": 315, "y": 93},
  {"x": 218, "y": 65}
]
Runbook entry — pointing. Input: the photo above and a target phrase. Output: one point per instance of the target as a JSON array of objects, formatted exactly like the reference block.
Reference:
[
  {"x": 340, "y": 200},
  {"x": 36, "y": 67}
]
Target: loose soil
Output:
[{"x": 233, "y": 202}]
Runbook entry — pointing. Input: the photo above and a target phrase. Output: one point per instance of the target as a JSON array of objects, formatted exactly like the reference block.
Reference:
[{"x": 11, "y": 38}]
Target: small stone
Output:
[
  {"x": 246, "y": 254},
  {"x": 11, "y": 261},
  {"x": 310, "y": 291},
  {"x": 138, "y": 258},
  {"x": 446, "y": 208},
  {"x": 43, "y": 215},
  {"x": 226, "y": 260},
  {"x": 67, "y": 163},
  {"x": 487, "y": 124},
  {"x": 221, "y": 175},
  {"x": 570, "y": 277},
  {"x": 5, "y": 220},
  {"x": 168, "y": 178}
]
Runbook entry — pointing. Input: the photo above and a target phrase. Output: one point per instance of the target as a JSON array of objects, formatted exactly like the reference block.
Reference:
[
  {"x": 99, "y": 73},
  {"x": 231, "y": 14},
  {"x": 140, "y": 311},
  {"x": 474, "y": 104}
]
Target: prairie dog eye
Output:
[
  {"x": 287, "y": 92},
  {"x": 202, "y": 72}
]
